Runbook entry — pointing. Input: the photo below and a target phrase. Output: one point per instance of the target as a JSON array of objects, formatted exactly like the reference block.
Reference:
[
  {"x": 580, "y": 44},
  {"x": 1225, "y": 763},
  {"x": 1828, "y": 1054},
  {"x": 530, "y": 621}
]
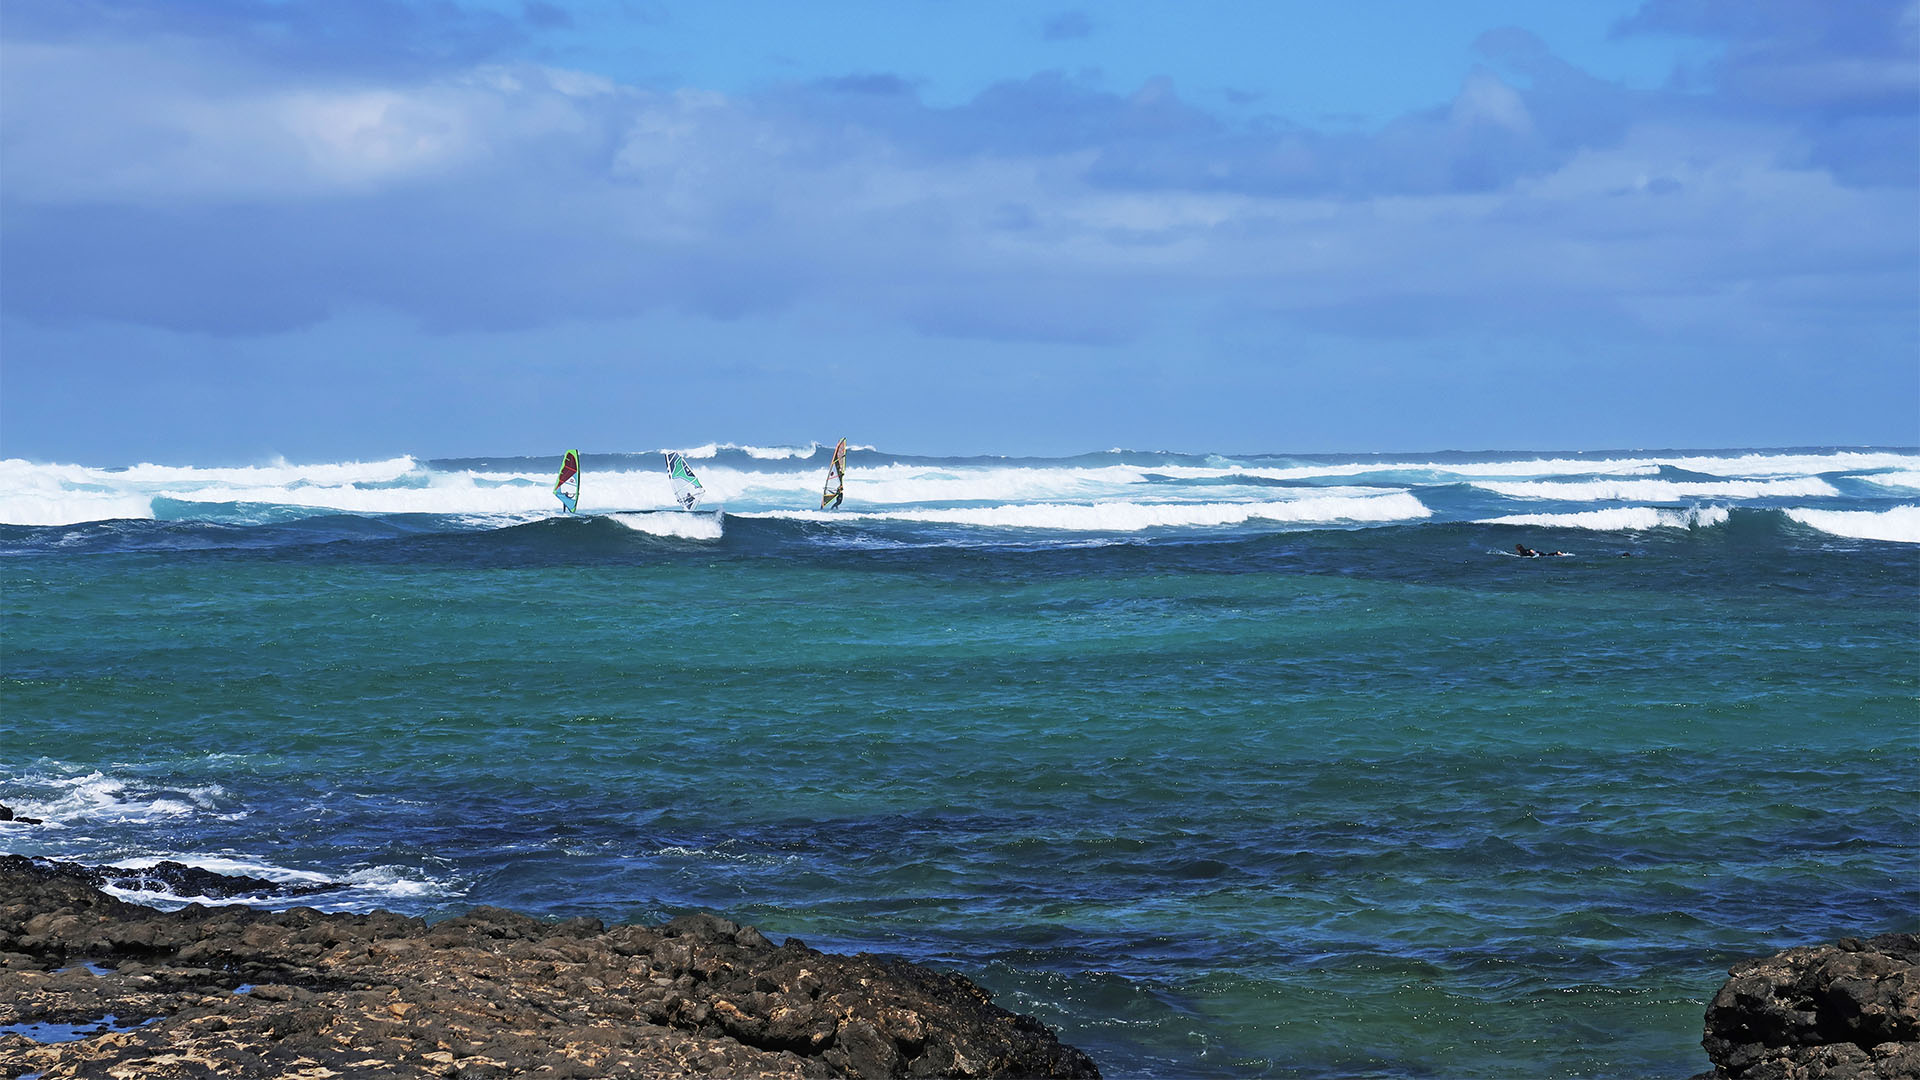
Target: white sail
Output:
[
  {"x": 686, "y": 486},
  {"x": 836, "y": 486}
]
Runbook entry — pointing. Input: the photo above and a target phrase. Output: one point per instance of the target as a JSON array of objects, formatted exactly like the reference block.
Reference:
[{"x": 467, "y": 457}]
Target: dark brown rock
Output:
[
  {"x": 236, "y": 992},
  {"x": 1847, "y": 1011}
]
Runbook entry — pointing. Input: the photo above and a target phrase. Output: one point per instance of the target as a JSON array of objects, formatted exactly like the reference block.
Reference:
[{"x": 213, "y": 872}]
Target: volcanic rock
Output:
[
  {"x": 236, "y": 992},
  {"x": 1847, "y": 1011},
  {"x": 171, "y": 877}
]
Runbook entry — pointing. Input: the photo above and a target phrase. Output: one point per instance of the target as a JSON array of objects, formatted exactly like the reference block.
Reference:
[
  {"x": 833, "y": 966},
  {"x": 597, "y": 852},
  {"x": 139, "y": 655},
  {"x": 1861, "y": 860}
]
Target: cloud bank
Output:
[{"x": 246, "y": 168}]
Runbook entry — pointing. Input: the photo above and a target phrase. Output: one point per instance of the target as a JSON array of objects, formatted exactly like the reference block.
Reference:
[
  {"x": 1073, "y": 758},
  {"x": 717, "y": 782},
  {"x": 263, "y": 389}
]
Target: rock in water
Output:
[
  {"x": 1848, "y": 1011},
  {"x": 168, "y": 876},
  {"x": 235, "y": 992}
]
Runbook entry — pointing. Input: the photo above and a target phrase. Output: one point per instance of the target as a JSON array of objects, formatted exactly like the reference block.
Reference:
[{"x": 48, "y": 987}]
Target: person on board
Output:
[{"x": 1526, "y": 552}]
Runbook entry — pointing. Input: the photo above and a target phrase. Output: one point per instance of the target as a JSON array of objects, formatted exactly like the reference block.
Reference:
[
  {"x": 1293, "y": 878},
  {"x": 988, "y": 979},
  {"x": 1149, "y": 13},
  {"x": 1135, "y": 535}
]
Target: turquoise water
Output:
[{"x": 1212, "y": 801}]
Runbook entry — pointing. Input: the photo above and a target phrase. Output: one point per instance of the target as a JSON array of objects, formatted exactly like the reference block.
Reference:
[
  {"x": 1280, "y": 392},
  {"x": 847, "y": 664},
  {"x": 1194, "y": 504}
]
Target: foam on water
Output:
[
  {"x": 70, "y": 507},
  {"x": 364, "y": 889},
  {"x": 1132, "y": 517},
  {"x": 1906, "y": 479},
  {"x": 761, "y": 453},
  {"x": 1901, "y": 524},
  {"x": 232, "y": 865},
  {"x": 1621, "y": 519},
  {"x": 1660, "y": 490},
  {"x": 95, "y": 797},
  {"x": 57, "y": 494},
  {"x": 1766, "y": 463},
  {"x": 675, "y": 523}
]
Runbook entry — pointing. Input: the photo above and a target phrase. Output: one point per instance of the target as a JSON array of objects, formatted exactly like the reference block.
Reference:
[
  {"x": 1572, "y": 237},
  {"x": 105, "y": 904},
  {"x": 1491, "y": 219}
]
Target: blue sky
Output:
[{"x": 234, "y": 230}]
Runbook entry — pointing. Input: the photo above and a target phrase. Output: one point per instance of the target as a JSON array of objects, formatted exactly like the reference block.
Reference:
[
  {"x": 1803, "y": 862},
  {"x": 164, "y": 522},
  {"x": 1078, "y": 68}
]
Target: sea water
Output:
[{"x": 1220, "y": 764}]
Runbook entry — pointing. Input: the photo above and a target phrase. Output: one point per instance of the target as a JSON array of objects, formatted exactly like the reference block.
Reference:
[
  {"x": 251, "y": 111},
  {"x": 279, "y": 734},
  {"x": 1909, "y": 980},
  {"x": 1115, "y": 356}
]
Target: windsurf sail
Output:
[
  {"x": 567, "y": 488},
  {"x": 836, "y": 488},
  {"x": 686, "y": 486}
]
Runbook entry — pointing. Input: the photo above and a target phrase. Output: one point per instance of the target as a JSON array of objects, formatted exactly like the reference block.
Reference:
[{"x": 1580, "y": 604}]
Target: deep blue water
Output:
[{"x": 1336, "y": 787}]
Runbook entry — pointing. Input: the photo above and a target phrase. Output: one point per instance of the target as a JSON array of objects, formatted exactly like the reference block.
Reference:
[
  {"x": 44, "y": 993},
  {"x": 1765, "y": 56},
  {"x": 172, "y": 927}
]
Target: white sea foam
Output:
[
  {"x": 96, "y": 797},
  {"x": 227, "y": 864},
  {"x": 399, "y": 881},
  {"x": 1761, "y": 463},
  {"x": 33, "y": 494},
  {"x": 1223, "y": 467},
  {"x": 1621, "y": 519},
  {"x": 71, "y": 508},
  {"x": 1753, "y": 465},
  {"x": 279, "y": 474},
  {"x": 675, "y": 523},
  {"x": 766, "y": 453},
  {"x": 363, "y": 889},
  {"x": 762, "y": 453},
  {"x": 445, "y": 493},
  {"x": 1660, "y": 490},
  {"x": 1908, "y": 479},
  {"x": 1901, "y": 524},
  {"x": 51, "y": 495},
  {"x": 1132, "y": 517},
  {"x": 761, "y": 858},
  {"x": 68, "y": 494}
]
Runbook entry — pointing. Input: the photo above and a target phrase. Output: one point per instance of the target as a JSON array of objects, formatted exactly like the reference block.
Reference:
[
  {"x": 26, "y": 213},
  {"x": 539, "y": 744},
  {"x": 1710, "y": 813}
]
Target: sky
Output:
[{"x": 238, "y": 231}]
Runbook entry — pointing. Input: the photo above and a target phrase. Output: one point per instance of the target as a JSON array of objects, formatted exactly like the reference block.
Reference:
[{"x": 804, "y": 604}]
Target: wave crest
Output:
[
  {"x": 1133, "y": 517},
  {"x": 673, "y": 523},
  {"x": 1901, "y": 524},
  {"x": 1621, "y": 519},
  {"x": 1659, "y": 490}
]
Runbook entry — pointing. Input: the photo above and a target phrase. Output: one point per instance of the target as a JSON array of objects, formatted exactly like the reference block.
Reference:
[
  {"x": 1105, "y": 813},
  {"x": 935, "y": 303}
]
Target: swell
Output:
[{"x": 1243, "y": 540}]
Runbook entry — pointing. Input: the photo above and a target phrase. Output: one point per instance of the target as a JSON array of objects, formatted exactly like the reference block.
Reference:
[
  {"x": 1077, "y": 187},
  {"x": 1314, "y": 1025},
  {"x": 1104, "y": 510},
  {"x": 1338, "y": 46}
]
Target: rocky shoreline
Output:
[
  {"x": 1847, "y": 1011},
  {"x": 232, "y": 991},
  {"x": 92, "y": 986}
]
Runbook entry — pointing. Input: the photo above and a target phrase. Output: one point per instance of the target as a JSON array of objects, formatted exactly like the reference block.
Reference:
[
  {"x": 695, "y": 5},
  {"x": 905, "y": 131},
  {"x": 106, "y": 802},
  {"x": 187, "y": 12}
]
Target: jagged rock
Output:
[
  {"x": 1847, "y": 1011},
  {"x": 6, "y": 814},
  {"x": 236, "y": 992},
  {"x": 170, "y": 877}
]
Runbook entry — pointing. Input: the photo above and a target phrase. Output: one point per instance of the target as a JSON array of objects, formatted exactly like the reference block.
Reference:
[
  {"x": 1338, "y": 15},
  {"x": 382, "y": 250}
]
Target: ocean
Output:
[{"x": 1222, "y": 765}]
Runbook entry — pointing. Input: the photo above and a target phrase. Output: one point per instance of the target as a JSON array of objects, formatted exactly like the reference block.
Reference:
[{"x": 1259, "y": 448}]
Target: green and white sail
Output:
[{"x": 686, "y": 486}]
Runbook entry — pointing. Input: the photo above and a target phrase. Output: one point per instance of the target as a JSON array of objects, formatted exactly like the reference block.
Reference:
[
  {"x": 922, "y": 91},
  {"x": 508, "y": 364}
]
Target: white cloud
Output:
[{"x": 585, "y": 198}]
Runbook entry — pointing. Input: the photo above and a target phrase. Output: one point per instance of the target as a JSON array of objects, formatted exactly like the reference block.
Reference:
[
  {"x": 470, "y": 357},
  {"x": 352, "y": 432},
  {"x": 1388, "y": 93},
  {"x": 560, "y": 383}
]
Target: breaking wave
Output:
[
  {"x": 1900, "y": 524},
  {"x": 359, "y": 890},
  {"x": 1120, "y": 491},
  {"x": 674, "y": 523},
  {"x": 1132, "y": 517},
  {"x": 1661, "y": 490},
  {"x": 1621, "y": 519},
  {"x": 1908, "y": 479}
]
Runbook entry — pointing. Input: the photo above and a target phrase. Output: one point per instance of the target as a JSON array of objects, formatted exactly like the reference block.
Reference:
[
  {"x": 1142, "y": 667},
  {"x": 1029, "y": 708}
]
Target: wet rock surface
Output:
[
  {"x": 166, "y": 876},
  {"x": 1847, "y": 1011},
  {"x": 236, "y": 992}
]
